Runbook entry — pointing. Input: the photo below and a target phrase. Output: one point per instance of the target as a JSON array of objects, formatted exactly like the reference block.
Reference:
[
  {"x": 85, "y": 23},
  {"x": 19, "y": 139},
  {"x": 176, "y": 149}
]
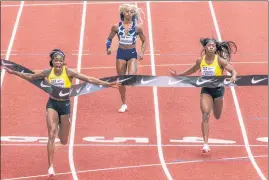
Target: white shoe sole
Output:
[
  {"x": 205, "y": 150},
  {"x": 51, "y": 172},
  {"x": 122, "y": 109}
]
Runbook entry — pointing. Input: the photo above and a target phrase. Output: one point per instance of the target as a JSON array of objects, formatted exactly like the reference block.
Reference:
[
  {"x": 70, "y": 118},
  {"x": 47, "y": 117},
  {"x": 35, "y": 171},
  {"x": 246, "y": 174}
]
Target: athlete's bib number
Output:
[
  {"x": 126, "y": 39},
  {"x": 58, "y": 82},
  {"x": 208, "y": 71}
]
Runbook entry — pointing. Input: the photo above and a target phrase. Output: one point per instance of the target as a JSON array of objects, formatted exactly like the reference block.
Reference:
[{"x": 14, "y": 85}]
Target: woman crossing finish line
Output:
[
  {"x": 58, "y": 110},
  {"x": 216, "y": 59}
]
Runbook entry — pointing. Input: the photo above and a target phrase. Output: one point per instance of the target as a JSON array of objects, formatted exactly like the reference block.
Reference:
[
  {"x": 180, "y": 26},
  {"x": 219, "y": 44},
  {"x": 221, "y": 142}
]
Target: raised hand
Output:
[
  {"x": 8, "y": 70},
  {"x": 115, "y": 84}
]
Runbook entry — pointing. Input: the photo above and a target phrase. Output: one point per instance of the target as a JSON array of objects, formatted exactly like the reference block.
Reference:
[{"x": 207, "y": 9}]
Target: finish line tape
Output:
[{"x": 141, "y": 80}]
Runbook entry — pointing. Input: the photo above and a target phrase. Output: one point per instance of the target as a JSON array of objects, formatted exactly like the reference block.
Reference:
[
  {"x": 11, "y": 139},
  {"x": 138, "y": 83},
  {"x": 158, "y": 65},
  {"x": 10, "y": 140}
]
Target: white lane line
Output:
[
  {"x": 12, "y": 38},
  {"x": 137, "y": 145},
  {"x": 236, "y": 103},
  {"x": 74, "y": 115},
  {"x": 145, "y": 165},
  {"x": 155, "y": 97}
]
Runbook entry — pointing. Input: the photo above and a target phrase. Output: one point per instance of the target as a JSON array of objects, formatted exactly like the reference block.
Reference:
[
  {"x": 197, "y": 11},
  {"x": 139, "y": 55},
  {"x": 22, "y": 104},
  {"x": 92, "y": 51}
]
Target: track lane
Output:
[
  {"x": 121, "y": 130},
  {"x": 9, "y": 3},
  {"x": 97, "y": 113},
  {"x": 23, "y": 111},
  {"x": 186, "y": 117},
  {"x": 254, "y": 39},
  {"x": 8, "y": 19}
]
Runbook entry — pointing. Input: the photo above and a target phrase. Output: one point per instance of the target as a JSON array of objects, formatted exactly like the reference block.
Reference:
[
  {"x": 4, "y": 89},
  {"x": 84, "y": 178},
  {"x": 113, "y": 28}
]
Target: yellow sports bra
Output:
[
  {"x": 212, "y": 69},
  {"x": 60, "y": 81}
]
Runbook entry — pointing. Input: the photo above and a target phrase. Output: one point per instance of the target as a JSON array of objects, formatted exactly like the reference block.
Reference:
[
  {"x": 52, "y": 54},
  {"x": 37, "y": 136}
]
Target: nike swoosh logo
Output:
[
  {"x": 88, "y": 87},
  {"x": 253, "y": 81},
  {"x": 203, "y": 82},
  {"x": 22, "y": 71},
  {"x": 68, "y": 104},
  {"x": 125, "y": 79},
  {"x": 175, "y": 82},
  {"x": 43, "y": 85},
  {"x": 79, "y": 89},
  {"x": 146, "y": 82},
  {"x": 63, "y": 94}
]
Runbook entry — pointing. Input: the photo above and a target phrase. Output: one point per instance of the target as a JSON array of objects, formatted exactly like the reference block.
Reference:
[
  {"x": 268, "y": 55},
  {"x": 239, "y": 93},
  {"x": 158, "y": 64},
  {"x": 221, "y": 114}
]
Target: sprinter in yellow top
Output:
[
  {"x": 61, "y": 80},
  {"x": 58, "y": 110},
  {"x": 211, "y": 69},
  {"x": 216, "y": 59}
]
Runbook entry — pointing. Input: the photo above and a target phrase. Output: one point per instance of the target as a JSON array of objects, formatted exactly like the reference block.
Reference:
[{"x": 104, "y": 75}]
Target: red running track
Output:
[
  {"x": 41, "y": 28},
  {"x": 185, "y": 124}
]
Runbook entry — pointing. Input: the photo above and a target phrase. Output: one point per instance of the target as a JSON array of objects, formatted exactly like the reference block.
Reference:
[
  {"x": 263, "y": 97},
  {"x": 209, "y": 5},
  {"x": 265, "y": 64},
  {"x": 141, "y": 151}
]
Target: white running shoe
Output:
[
  {"x": 206, "y": 148},
  {"x": 123, "y": 108},
  {"x": 51, "y": 172}
]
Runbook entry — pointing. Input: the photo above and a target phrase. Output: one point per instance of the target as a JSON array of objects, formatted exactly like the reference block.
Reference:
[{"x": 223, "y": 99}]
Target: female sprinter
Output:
[
  {"x": 216, "y": 59},
  {"x": 58, "y": 110},
  {"x": 127, "y": 30}
]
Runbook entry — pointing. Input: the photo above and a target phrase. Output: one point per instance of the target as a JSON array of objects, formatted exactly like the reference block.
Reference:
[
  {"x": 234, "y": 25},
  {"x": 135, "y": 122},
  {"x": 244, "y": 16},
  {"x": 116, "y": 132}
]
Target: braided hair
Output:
[
  {"x": 53, "y": 53},
  {"x": 223, "y": 49}
]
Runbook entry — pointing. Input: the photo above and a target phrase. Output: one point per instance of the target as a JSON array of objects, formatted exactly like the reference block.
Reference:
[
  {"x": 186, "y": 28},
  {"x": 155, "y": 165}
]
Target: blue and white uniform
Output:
[{"x": 127, "y": 39}]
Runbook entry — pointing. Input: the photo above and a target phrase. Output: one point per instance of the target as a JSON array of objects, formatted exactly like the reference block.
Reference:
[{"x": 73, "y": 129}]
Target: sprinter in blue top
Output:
[{"x": 127, "y": 30}]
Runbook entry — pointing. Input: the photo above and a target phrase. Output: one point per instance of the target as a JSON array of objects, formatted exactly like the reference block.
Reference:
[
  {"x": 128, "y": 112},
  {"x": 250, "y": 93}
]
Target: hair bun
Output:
[{"x": 57, "y": 50}]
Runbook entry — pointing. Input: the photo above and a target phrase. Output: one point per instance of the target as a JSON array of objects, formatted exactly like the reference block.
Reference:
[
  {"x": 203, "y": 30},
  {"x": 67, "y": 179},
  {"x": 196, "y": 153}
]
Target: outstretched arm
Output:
[
  {"x": 28, "y": 76},
  {"x": 92, "y": 80},
  {"x": 195, "y": 67},
  {"x": 113, "y": 32}
]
